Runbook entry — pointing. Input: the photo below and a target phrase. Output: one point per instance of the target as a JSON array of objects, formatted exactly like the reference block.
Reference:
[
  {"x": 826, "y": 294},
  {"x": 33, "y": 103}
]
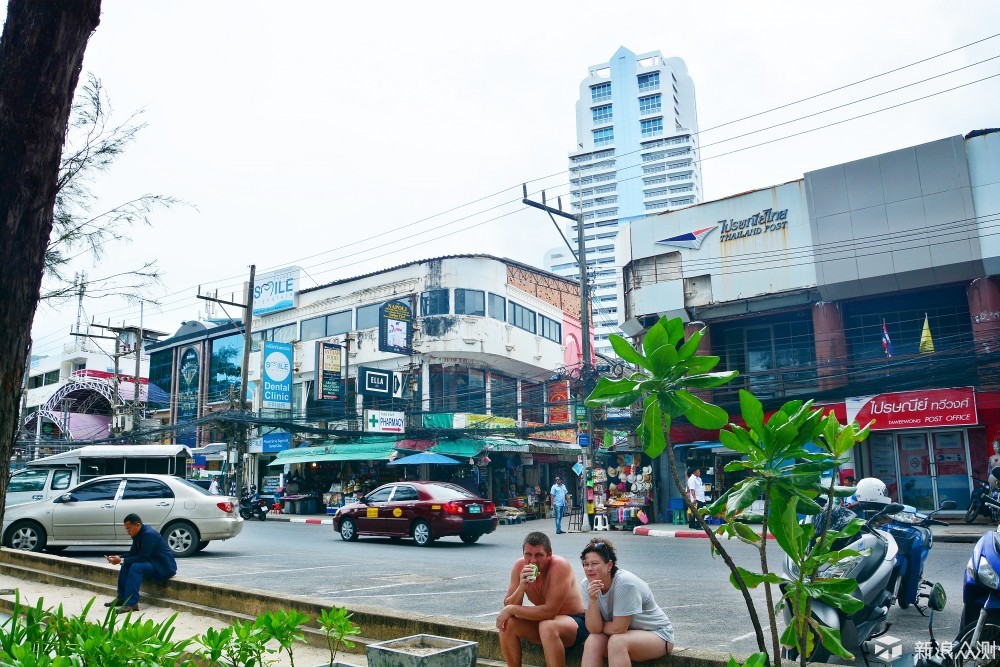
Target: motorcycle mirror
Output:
[
  {"x": 892, "y": 508},
  {"x": 937, "y": 598},
  {"x": 948, "y": 505}
]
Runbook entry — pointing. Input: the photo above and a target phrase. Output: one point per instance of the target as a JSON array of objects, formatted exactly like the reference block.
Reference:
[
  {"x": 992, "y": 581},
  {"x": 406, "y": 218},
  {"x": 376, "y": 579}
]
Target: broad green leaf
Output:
[
  {"x": 752, "y": 579},
  {"x": 788, "y": 638},
  {"x": 753, "y": 413},
  {"x": 699, "y": 364},
  {"x": 833, "y": 585},
  {"x": 608, "y": 387},
  {"x": 784, "y": 435},
  {"x": 652, "y": 423},
  {"x": 756, "y": 660},
  {"x": 831, "y": 641},
  {"x": 784, "y": 525},
  {"x": 662, "y": 360},
  {"x": 746, "y": 532},
  {"x": 708, "y": 380},
  {"x": 734, "y": 466},
  {"x": 669, "y": 404},
  {"x": 743, "y": 494},
  {"x": 702, "y": 414},
  {"x": 842, "y": 601},
  {"x": 690, "y": 346},
  {"x": 674, "y": 328},
  {"x": 731, "y": 440},
  {"x": 622, "y": 401},
  {"x": 654, "y": 339},
  {"x": 627, "y": 353}
]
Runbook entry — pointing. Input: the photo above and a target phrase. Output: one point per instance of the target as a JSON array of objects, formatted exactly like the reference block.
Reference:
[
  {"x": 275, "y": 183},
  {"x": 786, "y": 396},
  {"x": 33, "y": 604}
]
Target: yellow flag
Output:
[{"x": 926, "y": 342}]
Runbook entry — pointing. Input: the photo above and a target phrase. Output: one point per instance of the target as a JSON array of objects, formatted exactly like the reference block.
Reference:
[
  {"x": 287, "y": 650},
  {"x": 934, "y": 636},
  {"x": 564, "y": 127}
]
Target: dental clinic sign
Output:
[
  {"x": 275, "y": 291},
  {"x": 276, "y": 378},
  {"x": 930, "y": 408}
]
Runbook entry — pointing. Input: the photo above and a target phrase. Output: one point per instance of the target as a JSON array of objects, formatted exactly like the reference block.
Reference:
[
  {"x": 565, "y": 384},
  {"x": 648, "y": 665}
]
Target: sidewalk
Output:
[{"x": 958, "y": 531}]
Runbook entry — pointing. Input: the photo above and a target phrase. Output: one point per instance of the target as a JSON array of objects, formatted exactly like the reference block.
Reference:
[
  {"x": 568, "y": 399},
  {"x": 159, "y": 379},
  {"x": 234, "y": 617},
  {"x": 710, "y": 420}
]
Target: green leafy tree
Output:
[{"x": 782, "y": 471}]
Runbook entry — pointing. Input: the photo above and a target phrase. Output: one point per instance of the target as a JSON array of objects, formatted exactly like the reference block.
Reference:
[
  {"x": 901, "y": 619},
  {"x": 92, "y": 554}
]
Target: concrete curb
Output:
[
  {"x": 315, "y": 522},
  {"x": 684, "y": 534}
]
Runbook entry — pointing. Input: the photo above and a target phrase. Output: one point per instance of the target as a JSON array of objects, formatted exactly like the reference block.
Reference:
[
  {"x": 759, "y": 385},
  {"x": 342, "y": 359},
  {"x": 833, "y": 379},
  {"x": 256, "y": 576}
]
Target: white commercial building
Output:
[{"x": 636, "y": 154}]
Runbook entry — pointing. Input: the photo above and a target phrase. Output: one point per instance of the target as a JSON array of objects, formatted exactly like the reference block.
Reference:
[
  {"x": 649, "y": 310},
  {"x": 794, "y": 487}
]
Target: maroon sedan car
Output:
[{"x": 424, "y": 511}]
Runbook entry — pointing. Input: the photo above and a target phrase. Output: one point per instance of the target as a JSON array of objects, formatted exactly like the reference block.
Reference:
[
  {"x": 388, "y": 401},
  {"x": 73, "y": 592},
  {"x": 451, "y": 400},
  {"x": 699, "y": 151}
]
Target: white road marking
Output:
[
  {"x": 399, "y": 583},
  {"x": 749, "y": 635},
  {"x": 250, "y": 574},
  {"x": 404, "y": 595}
]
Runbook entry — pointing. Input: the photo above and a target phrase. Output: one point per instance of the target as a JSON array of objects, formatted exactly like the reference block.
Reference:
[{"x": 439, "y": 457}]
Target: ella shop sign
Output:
[
  {"x": 929, "y": 408},
  {"x": 378, "y": 382},
  {"x": 768, "y": 220},
  {"x": 276, "y": 378},
  {"x": 275, "y": 291},
  {"x": 384, "y": 421},
  {"x": 395, "y": 327}
]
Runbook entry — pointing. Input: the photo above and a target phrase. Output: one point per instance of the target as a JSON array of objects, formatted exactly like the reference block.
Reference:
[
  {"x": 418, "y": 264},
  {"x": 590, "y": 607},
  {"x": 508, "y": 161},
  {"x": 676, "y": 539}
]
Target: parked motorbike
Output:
[
  {"x": 253, "y": 506},
  {"x": 979, "y": 508},
  {"x": 912, "y": 533},
  {"x": 873, "y": 569},
  {"x": 978, "y": 640}
]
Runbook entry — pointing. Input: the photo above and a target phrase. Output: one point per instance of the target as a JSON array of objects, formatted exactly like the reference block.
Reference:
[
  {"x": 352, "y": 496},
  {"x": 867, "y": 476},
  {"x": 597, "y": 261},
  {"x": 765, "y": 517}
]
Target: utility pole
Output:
[
  {"x": 239, "y": 448},
  {"x": 586, "y": 370}
]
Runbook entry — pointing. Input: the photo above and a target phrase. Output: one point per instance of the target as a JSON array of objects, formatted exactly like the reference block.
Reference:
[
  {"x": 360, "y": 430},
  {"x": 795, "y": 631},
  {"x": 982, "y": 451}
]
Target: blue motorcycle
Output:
[
  {"x": 978, "y": 640},
  {"x": 912, "y": 532}
]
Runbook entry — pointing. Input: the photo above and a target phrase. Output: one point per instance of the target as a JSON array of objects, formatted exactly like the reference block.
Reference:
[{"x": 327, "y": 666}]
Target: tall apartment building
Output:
[{"x": 636, "y": 155}]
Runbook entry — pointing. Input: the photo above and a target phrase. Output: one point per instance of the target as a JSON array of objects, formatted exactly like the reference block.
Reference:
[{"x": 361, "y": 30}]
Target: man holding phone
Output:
[{"x": 149, "y": 558}]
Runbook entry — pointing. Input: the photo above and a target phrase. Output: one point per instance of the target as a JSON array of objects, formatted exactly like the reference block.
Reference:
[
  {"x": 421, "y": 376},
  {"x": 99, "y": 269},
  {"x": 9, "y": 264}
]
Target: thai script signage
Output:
[
  {"x": 930, "y": 408},
  {"x": 275, "y": 291},
  {"x": 767, "y": 220}
]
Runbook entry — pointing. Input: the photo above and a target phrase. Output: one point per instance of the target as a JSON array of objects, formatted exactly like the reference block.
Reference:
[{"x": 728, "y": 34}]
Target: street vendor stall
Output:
[{"x": 623, "y": 488}]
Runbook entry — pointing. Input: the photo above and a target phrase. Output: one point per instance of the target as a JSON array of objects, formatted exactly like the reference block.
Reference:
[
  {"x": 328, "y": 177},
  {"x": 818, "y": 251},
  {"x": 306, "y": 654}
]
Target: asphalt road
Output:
[{"x": 450, "y": 578}]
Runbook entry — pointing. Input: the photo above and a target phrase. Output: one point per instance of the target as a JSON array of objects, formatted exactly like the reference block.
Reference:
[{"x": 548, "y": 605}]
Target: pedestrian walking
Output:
[
  {"x": 696, "y": 494},
  {"x": 558, "y": 494}
]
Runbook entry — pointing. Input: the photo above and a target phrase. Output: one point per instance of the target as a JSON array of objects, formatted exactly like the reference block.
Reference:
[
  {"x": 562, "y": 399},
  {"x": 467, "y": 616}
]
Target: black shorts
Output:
[{"x": 581, "y": 629}]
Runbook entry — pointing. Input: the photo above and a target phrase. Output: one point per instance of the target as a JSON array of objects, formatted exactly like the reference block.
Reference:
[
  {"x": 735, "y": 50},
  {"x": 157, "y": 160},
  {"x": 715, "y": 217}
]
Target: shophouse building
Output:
[
  {"x": 636, "y": 153},
  {"x": 470, "y": 356},
  {"x": 870, "y": 286}
]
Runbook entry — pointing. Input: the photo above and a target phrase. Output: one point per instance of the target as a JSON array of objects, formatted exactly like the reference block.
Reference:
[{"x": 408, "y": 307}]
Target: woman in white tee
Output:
[{"x": 623, "y": 619}]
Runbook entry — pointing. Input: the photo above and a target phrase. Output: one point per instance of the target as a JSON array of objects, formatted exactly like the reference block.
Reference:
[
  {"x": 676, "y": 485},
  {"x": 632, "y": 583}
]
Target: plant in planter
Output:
[
  {"x": 423, "y": 651},
  {"x": 337, "y": 625},
  {"x": 240, "y": 645},
  {"x": 781, "y": 469}
]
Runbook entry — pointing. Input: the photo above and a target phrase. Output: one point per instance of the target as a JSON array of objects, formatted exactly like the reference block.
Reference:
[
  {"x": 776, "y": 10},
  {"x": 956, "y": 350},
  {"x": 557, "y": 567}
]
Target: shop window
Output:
[
  {"x": 550, "y": 329},
  {"x": 498, "y": 307},
  {"x": 533, "y": 402},
  {"x": 368, "y": 316},
  {"x": 521, "y": 317},
  {"x": 503, "y": 396},
  {"x": 775, "y": 359},
  {"x": 457, "y": 389},
  {"x": 434, "y": 302}
]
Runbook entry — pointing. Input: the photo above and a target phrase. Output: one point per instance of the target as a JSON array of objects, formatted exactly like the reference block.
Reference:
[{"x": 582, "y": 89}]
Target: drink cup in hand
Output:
[{"x": 534, "y": 574}]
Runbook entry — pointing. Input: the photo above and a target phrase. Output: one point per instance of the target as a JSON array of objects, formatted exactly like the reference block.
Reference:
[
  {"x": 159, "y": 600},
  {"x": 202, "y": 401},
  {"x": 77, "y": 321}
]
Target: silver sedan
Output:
[{"x": 92, "y": 514}]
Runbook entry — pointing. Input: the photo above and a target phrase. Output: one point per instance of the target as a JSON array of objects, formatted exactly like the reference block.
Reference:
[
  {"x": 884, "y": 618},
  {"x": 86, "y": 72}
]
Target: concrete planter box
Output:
[{"x": 423, "y": 651}]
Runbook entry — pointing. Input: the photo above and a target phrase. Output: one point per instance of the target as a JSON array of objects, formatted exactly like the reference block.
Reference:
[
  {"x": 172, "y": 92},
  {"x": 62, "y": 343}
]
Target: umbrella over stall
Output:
[{"x": 424, "y": 457}]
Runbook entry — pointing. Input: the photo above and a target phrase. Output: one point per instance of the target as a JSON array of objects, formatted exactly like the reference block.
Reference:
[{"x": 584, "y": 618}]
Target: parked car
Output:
[
  {"x": 424, "y": 511},
  {"x": 92, "y": 513}
]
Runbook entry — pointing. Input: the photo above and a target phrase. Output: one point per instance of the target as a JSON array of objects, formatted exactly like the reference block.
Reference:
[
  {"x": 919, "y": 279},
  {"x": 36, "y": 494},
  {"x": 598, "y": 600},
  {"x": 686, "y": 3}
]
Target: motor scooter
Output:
[
  {"x": 253, "y": 506},
  {"x": 873, "y": 569},
  {"x": 978, "y": 640},
  {"x": 977, "y": 508},
  {"x": 912, "y": 531}
]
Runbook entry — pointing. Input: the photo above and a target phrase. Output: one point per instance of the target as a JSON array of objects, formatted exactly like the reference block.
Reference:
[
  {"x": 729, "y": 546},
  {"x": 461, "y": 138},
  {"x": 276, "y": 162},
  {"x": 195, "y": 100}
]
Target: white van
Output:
[{"x": 52, "y": 475}]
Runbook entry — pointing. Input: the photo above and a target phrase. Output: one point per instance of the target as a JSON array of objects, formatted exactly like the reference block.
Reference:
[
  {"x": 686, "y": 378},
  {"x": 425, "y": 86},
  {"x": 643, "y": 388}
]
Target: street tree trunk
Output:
[{"x": 41, "y": 55}]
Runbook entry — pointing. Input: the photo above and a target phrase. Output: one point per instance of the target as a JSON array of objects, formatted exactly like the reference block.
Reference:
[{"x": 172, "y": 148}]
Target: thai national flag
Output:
[{"x": 886, "y": 341}]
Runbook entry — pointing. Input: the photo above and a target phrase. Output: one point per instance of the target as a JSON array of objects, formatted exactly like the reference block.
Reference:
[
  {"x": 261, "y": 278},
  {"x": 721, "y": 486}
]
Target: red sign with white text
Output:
[{"x": 929, "y": 408}]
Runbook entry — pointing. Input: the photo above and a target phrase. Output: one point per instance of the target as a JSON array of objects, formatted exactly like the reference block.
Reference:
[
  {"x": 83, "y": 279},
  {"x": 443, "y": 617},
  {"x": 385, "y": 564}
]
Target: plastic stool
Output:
[
  {"x": 276, "y": 508},
  {"x": 678, "y": 517},
  {"x": 601, "y": 522}
]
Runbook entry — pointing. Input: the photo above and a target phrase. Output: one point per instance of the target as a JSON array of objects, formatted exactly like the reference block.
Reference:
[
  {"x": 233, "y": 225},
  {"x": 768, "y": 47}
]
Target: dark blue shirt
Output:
[{"x": 148, "y": 546}]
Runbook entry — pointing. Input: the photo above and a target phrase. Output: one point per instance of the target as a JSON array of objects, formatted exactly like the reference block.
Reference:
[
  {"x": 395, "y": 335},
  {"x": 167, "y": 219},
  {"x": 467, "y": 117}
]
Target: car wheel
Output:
[
  {"x": 348, "y": 530},
  {"x": 182, "y": 538},
  {"x": 202, "y": 545},
  {"x": 470, "y": 539},
  {"x": 422, "y": 533},
  {"x": 26, "y": 536}
]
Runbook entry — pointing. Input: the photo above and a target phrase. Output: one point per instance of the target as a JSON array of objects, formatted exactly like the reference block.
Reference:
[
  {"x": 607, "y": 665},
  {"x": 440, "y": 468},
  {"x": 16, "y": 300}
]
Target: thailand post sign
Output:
[
  {"x": 395, "y": 328},
  {"x": 384, "y": 421},
  {"x": 329, "y": 372},
  {"x": 915, "y": 409},
  {"x": 275, "y": 291},
  {"x": 276, "y": 380}
]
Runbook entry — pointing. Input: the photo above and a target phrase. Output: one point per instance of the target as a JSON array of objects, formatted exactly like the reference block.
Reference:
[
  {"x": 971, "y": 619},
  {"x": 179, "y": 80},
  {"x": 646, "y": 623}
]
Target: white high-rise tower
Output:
[{"x": 636, "y": 155}]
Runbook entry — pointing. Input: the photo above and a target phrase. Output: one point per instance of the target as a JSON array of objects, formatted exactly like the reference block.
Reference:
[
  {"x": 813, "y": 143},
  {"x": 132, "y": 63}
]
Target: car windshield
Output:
[{"x": 448, "y": 492}]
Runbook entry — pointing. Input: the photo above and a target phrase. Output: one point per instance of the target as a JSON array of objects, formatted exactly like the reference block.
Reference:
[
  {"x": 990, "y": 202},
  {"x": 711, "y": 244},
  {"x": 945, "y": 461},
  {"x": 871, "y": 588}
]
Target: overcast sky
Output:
[{"x": 350, "y": 137}]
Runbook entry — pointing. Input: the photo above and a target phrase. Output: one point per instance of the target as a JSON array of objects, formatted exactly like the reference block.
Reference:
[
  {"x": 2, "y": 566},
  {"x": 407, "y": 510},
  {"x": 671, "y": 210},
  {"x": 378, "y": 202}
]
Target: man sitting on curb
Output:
[
  {"x": 149, "y": 558},
  {"x": 555, "y": 618}
]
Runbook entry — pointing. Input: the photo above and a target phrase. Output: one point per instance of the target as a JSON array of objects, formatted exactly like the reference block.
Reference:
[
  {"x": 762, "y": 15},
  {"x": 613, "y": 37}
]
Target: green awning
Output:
[
  {"x": 371, "y": 450},
  {"x": 461, "y": 447}
]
